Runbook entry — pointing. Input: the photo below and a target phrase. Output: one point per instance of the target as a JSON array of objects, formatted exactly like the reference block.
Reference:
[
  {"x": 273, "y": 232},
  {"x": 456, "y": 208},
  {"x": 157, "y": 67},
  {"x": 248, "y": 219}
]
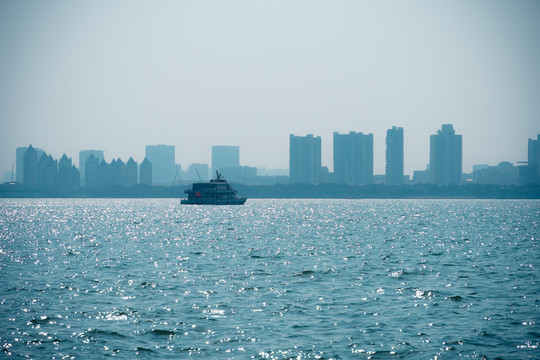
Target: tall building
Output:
[
  {"x": 225, "y": 157},
  {"x": 530, "y": 172},
  {"x": 163, "y": 165},
  {"x": 30, "y": 168},
  {"x": 83, "y": 156},
  {"x": 145, "y": 172},
  {"x": 305, "y": 159},
  {"x": 117, "y": 172},
  {"x": 353, "y": 158},
  {"x": 47, "y": 172},
  {"x": 68, "y": 176},
  {"x": 131, "y": 172},
  {"x": 91, "y": 170},
  {"x": 394, "y": 155},
  {"x": 19, "y": 162},
  {"x": 533, "y": 158},
  {"x": 445, "y": 156}
]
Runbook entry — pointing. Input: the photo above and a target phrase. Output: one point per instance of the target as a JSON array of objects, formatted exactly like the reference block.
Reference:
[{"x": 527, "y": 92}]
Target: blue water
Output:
[{"x": 273, "y": 279}]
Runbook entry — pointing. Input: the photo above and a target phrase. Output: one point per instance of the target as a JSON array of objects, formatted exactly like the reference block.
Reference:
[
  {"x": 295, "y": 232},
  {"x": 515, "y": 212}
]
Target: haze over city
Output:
[{"x": 119, "y": 75}]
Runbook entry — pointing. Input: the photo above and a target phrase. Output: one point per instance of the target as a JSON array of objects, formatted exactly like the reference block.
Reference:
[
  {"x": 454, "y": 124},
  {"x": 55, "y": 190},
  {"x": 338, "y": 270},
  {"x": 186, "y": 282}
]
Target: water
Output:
[{"x": 273, "y": 279}]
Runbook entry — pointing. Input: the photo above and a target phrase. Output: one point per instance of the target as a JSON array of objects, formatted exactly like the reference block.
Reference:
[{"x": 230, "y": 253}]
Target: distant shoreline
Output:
[{"x": 291, "y": 191}]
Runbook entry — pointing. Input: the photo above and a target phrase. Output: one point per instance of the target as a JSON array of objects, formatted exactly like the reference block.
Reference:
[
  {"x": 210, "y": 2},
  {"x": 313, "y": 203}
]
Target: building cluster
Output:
[
  {"x": 41, "y": 171},
  {"x": 352, "y": 157},
  {"x": 353, "y": 161},
  {"x": 37, "y": 170}
]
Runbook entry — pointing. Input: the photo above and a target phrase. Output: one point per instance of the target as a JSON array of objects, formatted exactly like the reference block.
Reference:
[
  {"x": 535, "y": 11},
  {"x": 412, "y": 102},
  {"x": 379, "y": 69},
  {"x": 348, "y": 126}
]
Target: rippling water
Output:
[{"x": 272, "y": 279}]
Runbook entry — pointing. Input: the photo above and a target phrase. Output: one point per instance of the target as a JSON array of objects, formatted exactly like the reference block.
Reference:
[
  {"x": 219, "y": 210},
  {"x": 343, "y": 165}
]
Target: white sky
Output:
[{"x": 119, "y": 75}]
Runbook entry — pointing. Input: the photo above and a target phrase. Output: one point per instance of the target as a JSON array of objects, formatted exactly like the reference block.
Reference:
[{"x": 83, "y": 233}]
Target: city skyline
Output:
[
  {"x": 93, "y": 75},
  {"x": 337, "y": 150},
  {"x": 353, "y": 161}
]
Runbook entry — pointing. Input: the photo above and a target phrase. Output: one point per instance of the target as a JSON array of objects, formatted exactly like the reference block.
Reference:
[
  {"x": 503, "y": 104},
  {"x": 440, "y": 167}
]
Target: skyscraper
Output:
[
  {"x": 353, "y": 158},
  {"x": 19, "y": 159},
  {"x": 533, "y": 157},
  {"x": 145, "y": 172},
  {"x": 91, "y": 165},
  {"x": 83, "y": 156},
  {"x": 305, "y": 159},
  {"x": 131, "y": 172},
  {"x": 394, "y": 155},
  {"x": 30, "y": 167},
  {"x": 163, "y": 165},
  {"x": 225, "y": 157},
  {"x": 445, "y": 156},
  {"x": 530, "y": 173}
]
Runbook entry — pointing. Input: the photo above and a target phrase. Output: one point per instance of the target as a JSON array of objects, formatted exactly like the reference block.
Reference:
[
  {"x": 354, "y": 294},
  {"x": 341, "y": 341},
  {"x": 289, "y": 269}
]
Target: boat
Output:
[{"x": 215, "y": 192}]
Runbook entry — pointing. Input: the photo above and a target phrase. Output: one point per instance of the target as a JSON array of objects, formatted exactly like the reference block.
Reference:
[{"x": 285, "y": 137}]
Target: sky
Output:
[{"x": 119, "y": 75}]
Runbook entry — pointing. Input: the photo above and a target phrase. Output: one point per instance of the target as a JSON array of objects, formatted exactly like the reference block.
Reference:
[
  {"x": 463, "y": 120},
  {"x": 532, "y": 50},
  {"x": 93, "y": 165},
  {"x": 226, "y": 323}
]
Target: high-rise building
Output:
[
  {"x": 445, "y": 156},
  {"x": 131, "y": 172},
  {"x": 394, "y": 155},
  {"x": 225, "y": 157},
  {"x": 68, "y": 175},
  {"x": 145, "y": 172},
  {"x": 533, "y": 157},
  {"x": 353, "y": 158},
  {"x": 117, "y": 172},
  {"x": 91, "y": 170},
  {"x": 30, "y": 168},
  {"x": 47, "y": 172},
  {"x": 530, "y": 172},
  {"x": 305, "y": 159},
  {"x": 83, "y": 156},
  {"x": 163, "y": 165},
  {"x": 19, "y": 162}
]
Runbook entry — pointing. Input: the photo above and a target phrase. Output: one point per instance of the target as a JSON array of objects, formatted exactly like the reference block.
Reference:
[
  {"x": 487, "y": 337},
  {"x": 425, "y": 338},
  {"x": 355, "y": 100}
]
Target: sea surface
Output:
[{"x": 273, "y": 279}]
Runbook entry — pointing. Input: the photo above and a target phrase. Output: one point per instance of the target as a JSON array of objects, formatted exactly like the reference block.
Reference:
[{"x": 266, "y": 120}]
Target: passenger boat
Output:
[{"x": 215, "y": 192}]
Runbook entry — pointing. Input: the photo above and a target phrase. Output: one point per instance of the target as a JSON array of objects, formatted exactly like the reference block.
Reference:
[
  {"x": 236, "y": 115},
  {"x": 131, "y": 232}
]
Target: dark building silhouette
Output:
[
  {"x": 19, "y": 159},
  {"x": 353, "y": 158},
  {"x": 533, "y": 158},
  {"x": 68, "y": 178},
  {"x": 117, "y": 175},
  {"x": 445, "y": 156},
  {"x": 83, "y": 156},
  {"x": 530, "y": 172},
  {"x": 30, "y": 168},
  {"x": 91, "y": 169},
  {"x": 163, "y": 165},
  {"x": 145, "y": 172},
  {"x": 130, "y": 172},
  {"x": 305, "y": 159},
  {"x": 47, "y": 171},
  {"x": 103, "y": 176},
  {"x": 394, "y": 155}
]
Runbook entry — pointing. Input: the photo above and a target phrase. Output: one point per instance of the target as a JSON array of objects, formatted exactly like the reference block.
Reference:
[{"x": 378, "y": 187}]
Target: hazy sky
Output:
[{"x": 118, "y": 75}]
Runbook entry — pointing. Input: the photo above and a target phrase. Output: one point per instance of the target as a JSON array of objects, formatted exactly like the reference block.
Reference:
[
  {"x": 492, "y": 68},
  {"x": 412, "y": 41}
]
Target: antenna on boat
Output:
[{"x": 199, "y": 175}]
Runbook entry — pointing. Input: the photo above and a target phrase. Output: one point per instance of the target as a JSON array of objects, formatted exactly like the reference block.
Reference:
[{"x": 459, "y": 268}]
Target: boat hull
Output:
[{"x": 199, "y": 201}]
